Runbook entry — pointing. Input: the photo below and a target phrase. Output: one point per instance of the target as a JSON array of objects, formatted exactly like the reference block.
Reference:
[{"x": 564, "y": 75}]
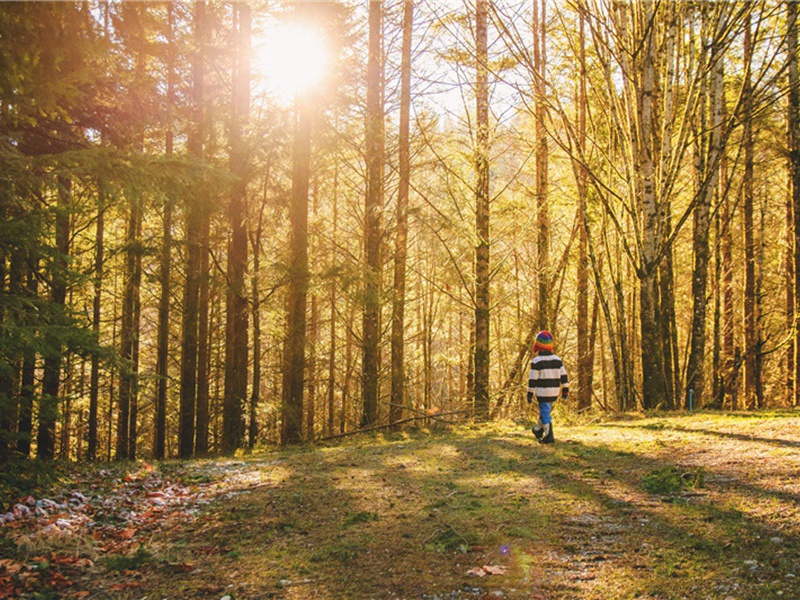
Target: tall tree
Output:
[
  {"x": 794, "y": 170},
  {"x": 373, "y": 205},
  {"x": 754, "y": 394},
  {"x": 542, "y": 212},
  {"x": 584, "y": 364},
  {"x": 236, "y": 357},
  {"x": 129, "y": 335},
  {"x": 188, "y": 384},
  {"x": 708, "y": 149},
  {"x": 294, "y": 347},
  {"x": 162, "y": 347},
  {"x": 51, "y": 373},
  {"x": 482, "y": 203},
  {"x": 401, "y": 240}
]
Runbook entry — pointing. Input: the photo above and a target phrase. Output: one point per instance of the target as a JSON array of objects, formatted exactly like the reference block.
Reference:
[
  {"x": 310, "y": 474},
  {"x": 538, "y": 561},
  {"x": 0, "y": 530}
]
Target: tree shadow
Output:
[{"x": 721, "y": 434}]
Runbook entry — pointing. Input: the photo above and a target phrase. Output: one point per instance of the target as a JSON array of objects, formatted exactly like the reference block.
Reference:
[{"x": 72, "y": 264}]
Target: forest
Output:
[{"x": 233, "y": 224}]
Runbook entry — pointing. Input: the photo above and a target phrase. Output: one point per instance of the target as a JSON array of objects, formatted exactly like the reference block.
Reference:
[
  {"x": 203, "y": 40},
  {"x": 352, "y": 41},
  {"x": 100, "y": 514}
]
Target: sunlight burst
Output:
[{"x": 292, "y": 58}]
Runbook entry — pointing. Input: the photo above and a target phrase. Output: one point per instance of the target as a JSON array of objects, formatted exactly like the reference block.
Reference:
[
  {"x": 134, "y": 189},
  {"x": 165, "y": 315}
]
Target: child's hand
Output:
[{"x": 530, "y": 397}]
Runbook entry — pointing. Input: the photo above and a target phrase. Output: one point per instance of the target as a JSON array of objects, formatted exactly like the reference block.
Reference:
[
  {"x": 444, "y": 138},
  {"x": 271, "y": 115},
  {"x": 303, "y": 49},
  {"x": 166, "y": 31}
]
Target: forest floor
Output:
[{"x": 675, "y": 506}]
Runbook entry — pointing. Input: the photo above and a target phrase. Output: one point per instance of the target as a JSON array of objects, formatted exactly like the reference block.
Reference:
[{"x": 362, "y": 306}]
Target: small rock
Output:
[
  {"x": 284, "y": 583},
  {"x": 776, "y": 540},
  {"x": 227, "y": 597}
]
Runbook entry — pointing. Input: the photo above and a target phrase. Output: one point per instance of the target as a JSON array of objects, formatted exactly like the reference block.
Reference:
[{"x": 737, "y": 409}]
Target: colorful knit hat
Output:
[{"x": 544, "y": 341}]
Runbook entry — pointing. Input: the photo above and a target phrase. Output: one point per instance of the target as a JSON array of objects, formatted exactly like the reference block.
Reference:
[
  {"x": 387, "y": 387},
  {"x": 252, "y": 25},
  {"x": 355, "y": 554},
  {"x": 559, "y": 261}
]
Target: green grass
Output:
[{"x": 673, "y": 506}]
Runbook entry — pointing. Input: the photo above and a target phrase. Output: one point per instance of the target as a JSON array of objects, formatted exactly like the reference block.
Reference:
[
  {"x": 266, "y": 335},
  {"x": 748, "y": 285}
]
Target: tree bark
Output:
[
  {"x": 794, "y": 170},
  {"x": 51, "y": 374},
  {"x": 707, "y": 170},
  {"x": 543, "y": 214},
  {"x": 753, "y": 387},
  {"x": 162, "y": 348},
  {"x": 373, "y": 207},
  {"x": 236, "y": 380},
  {"x": 584, "y": 394},
  {"x": 129, "y": 337},
  {"x": 188, "y": 389},
  {"x": 401, "y": 243},
  {"x": 654, "y": 385},
  {"x": 482, "y": 214},
  {"x": 294, "y": 349}
]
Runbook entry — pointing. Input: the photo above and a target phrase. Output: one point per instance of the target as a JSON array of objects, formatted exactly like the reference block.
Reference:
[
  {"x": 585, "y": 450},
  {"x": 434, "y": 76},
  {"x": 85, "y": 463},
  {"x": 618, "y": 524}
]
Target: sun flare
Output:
[{"x": 292, "y": 58}]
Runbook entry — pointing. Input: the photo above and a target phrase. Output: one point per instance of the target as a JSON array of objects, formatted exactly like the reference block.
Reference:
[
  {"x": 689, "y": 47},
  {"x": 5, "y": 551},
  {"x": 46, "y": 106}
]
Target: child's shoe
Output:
[
  {"x": 547, "y": 435},
  {"x": 538, "y": 431}
]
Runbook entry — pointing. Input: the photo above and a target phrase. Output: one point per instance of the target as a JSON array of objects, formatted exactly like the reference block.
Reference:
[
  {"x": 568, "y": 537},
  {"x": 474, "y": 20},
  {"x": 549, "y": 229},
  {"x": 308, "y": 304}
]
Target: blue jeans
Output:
[{"x": 544, "y": 412}]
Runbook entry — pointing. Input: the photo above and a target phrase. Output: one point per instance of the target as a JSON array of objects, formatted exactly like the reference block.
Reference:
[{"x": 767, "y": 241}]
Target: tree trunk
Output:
[
  {"x": 333, "y": 346},
  {"x": 28, "y": 378},
  {"x": 188, "y": 390},
  {"x": 51, "y": 374},
  {"x": 236, "y": 380},
  {"x": 255, "y": 393},
  {"x": 401, "y": 247},
  {"x": 203, "y": 402},
  {"x": 294, "y": 349},
  {"x": 162, "y": 349},
  {"x": 311, "y": 404},
  {"x": 753, "y": 397},
  {"x": 541, "y": 159},
  {"x": 373, "y": 206},
  {"x": 794, "y": 169},
  {"x": 707, "y": 170},
  {"x": 584, "y": 394},
  {"x": 482, "y": 200},
  {"x": 654, "y": 385},
  {"x": 129, "y": 336}
]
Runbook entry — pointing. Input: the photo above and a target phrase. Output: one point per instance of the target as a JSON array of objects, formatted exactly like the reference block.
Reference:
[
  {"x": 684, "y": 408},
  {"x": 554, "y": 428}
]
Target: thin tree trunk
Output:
[
  {"x": 255, "y": 393},
  {"x": 94, "y": 376},
  {"x": 162, "y": 351},
  {"x": 482, "y": 201},
  {"x": 794, "y": 168},
  {"x": 752, "y": 346},
  {"x": 373, "y": 206},
  {"x": 584, "y": 394},
  {"x": 707, "y": 171},
  {"x": 129, "y": 334},
  {"x": 188, "y": 389},
  {"x": 401, "y": 249},
  {"x": 333, "y": 347},
  {"x": 313, "y": 337},
  {"x": 28, "y": 378},
  {"x": 294, "y": 350},
  {"x": 236, "y": 383},
  {"x": 202, "y": 403},
  {"x": 541, "y": 159},
  {"x": 51, "y": 375}
]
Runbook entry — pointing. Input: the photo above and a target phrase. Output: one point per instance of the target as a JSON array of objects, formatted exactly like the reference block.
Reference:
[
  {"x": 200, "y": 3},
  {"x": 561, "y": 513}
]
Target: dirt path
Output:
[{"x": 700, "y": 506}]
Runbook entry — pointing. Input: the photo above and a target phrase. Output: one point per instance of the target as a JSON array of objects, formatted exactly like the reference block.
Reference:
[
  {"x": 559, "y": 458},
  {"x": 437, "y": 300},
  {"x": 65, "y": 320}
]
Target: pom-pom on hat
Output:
[{"x": 544, "y": 341}]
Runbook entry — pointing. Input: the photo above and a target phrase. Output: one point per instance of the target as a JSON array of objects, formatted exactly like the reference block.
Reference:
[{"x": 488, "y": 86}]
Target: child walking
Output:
[{"x": 547, "y": 381}]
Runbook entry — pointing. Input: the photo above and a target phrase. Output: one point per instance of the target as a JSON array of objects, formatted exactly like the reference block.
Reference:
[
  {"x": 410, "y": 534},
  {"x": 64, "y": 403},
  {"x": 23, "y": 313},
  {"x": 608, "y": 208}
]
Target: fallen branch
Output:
[{"x": 396, "y": 423}]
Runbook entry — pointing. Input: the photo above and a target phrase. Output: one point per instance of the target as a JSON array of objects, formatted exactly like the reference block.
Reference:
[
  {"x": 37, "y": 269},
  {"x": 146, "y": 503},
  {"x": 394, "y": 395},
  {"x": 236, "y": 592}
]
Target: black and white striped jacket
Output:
[{"x": 548, "y": 377}]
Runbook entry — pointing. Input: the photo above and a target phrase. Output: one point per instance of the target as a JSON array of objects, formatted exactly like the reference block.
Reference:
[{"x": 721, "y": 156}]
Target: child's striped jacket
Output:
[{"x": 548, "y": 377}]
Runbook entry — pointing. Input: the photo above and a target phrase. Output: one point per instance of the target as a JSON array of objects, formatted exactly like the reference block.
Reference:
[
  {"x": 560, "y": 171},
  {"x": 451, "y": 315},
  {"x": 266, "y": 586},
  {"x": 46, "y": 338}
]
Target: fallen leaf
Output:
[
  {"x": 495, "y": 569},
  {"x": 127, "y": 534},
  {"x": 10, "y": 566},
  {"x": 477, "y": 571}
]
